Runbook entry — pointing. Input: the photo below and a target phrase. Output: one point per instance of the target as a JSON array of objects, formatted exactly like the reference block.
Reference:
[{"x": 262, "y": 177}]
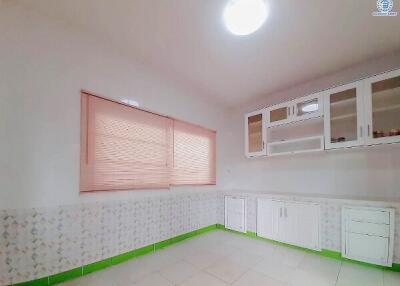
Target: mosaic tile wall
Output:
[
  {"x": 35, "y": 243},
  {"x": 330, "y": 217}
]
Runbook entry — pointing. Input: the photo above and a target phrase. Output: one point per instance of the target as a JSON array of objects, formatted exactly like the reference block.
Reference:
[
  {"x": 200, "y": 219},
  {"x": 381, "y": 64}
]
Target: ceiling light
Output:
[
  {"x": 243, "y": 17},
  {"x": 310, "y": 107}
]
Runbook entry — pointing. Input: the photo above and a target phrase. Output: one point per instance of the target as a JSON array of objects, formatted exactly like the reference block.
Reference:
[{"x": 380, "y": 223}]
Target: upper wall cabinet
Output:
[
  {"x": 366, "y": 112},
  {"x": 299, "y": 109},
  {"x": 255, "y": 134},
  {"x": 308, "y": 107},
  {"x": 344, "y": 116},
  {"x": 382, "y": 103},
  {"x": 279, "y": 114}
]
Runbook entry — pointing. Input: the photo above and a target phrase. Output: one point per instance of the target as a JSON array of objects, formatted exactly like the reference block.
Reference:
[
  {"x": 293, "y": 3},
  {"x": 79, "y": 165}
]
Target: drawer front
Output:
[
  {"x": 371, "y": 216},
  {"x": 372, "y": 249},
  {"x": 382, "y": 230}
]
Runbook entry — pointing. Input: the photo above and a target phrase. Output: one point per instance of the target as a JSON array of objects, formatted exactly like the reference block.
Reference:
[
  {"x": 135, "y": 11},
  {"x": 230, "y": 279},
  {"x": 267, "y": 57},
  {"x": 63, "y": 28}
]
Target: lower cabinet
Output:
[
  {"x": 235, "y": 213},
  {"x": 295, "y": 223},
  {"x": 368, "y": 234}
]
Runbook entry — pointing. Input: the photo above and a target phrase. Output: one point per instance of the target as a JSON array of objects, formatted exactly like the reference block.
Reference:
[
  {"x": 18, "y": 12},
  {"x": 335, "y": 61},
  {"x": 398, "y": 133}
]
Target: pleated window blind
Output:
[
  {"x": 126, "y": 148},
  {"x": 194, "y": 155},
  {"x": 123, "y": 147}
]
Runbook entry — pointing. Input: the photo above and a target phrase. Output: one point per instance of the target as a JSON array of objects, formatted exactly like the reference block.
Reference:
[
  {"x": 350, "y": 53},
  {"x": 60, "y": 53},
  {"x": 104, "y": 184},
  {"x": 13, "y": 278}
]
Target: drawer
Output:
[
  {"x": 382, "y": 230},
  {"x": 372, "y": 216},
  {"x": 372, "y": 249}
]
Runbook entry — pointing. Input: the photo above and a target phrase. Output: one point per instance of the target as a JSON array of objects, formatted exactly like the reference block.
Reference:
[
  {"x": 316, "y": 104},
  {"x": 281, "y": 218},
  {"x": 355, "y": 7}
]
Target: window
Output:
[
  {"x": 125, "y": 148},
  {"x": 194, "y": 155}
]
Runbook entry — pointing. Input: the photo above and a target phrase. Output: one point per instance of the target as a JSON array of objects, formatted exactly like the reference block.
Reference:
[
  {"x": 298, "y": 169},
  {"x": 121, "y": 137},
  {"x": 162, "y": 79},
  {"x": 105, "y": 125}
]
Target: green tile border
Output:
[
  {"x": 98, "y": 265},
  {"x": 37, "y": 282},
  {"x": 64, "y": 276},
  {"x": 324, "y": 252}
]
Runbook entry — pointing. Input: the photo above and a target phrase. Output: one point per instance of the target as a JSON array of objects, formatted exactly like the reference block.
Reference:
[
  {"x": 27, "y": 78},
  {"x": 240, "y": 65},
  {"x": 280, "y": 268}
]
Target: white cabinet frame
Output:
[
  {"x": 244, "y": 230},
  {"x": 290, "y": 113},
  {"x": 287, "y": 221},
  {"x": 263, "y": 152},
  {"x": 311, "y": 97},
  {"x": 359, "y": 114},
  {"x": 370, "y": 140},
  {"x": 369, "y": 219}
]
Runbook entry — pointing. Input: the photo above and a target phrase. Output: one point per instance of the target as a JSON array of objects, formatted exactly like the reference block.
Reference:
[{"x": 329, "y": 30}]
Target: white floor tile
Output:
[
  {"x": 357, "y": 275},
  {"x": 391, "y": 278},
  {"x": 203, "y": 279},
  {"x": 178, "y": 272},
  {"x": 245, "y": 258},
  {"x": 275, "y": 268},
  {"x": 203, "y": 259},
  {"x": 226, "y": 270},
  {"x": 134, "y": 270},
  {"x": 154, "y": 279},
  {"x": 326, "y": 269},
  {"x": 253, "y": 278},
  {"x": 289, "y": 256},
  {"x": 303, "y": 278},
  {"x": 221, "y": 249}
]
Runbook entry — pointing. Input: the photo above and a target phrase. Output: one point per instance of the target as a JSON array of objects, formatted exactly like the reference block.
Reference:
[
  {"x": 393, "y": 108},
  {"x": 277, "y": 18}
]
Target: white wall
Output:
[
  {"x": 43, "y": 66},
  {"x": 362, "y": 173}
]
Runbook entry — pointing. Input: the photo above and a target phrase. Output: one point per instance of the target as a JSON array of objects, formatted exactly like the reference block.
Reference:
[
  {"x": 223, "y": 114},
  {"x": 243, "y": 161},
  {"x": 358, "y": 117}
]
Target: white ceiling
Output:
[{"x": 300, "y": 41}]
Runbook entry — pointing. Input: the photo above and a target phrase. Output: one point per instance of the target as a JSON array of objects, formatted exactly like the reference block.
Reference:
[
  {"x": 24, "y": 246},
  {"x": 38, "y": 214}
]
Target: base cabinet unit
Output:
[
  {"x": 368, "y": 234},
  {"x": 295, "y": 223},
  {"x": 235, "y": 213}
]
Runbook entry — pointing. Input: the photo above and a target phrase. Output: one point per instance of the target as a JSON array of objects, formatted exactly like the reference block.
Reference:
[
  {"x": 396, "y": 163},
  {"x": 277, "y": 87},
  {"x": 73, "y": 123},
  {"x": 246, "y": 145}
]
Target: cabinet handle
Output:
[
  {"x": 361, "y": 131},
  {"x": 263, "y": 145},
  {"x": 280, "y": 212},
  {"x": 285, "y": 212},
  {"x": 368, "y": 130},
  {"x": 293, "y": 110}
]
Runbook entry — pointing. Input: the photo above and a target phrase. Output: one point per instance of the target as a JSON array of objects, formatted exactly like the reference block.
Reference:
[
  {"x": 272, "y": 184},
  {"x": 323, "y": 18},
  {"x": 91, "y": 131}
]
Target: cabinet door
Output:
[
  {"x": 267, "y": 218},
  {"x": 344, "y": 116},
  {"x": 308, "y": 226},
  {"x": 280, "y": 114},
  {"x": 289, "y": 223},
  {"x": 383, "y": 108},
  {"x": 372, "y": 249},
  {"x": 235, "y": 213},
  {"x": 255, "y": 134},
  {"x": 308, "y": 107}
]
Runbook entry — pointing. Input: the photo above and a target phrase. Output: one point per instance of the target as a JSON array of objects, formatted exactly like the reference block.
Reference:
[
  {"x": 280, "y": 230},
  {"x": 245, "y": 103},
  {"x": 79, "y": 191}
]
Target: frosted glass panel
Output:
[
  {"x": 343, "y": 109},
  {"x": 303, "y": 145},
  {"x": 386, "y": 108},
  {"x": 254, "y": 124},
  {"x": 307, "y": 107},
  {"x": 278, "y": 114}
]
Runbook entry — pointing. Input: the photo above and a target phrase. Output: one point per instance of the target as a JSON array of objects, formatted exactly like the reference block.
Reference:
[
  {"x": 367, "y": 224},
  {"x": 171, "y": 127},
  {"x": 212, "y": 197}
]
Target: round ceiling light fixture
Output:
[{"x": 243, "y": 17}]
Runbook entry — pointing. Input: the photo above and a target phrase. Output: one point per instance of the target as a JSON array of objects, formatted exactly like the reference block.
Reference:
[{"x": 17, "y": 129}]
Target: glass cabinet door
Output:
[
  {"x": 383, "y": 106},
  {"x": 279, "y": 114},
  {"x": 308, "y": 107},
  {"x": 255, "y": 134},
  {"x": 344, "y": 116}
]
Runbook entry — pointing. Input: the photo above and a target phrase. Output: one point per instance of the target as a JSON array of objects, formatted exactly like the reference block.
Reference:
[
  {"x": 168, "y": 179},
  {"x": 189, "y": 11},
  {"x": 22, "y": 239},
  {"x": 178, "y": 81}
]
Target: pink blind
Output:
[
  {"x": 194, "y": 161},
  {"x": 123, "y": 147}
]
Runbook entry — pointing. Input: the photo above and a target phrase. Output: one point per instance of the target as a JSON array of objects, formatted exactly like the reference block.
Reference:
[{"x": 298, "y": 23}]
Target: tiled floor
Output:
[{"x": 221, "y": 258}]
